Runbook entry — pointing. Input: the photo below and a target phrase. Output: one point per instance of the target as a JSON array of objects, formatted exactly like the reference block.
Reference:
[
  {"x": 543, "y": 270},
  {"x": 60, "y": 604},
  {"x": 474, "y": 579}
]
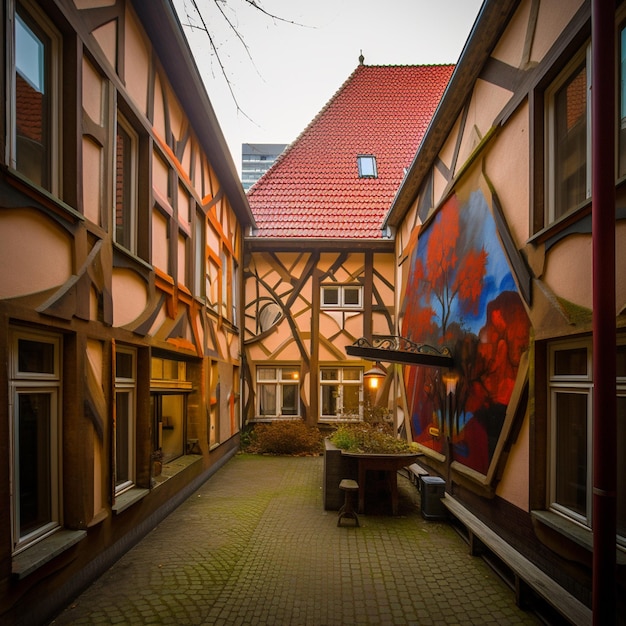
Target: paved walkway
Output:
[{"x": 254, "y": 546}]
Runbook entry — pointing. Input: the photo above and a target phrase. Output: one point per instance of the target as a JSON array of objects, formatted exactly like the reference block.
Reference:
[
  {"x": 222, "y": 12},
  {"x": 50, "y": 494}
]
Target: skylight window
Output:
[{"x": 367, "y": 166}]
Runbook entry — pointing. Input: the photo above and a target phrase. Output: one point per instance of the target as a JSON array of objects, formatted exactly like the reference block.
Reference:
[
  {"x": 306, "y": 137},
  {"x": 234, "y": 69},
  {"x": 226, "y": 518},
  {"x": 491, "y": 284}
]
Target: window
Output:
[
  {"x": 342, "y": 296},
  {"x": 568, "y": 141},
  {"x": 199, "y": 247},
  {"x": 126, "y": 185},
  {"x": 570, "y": 410},
  {"x": 169, "y": 389},
  {"x": 341, "y": 393},
  {"x": 278, "y": 392},
  {"x": 35, "y": 419},
  {"x": 367, "y": 166},
  {"x": 36, "y": 106},
  {"x": 125, "y": 418}
]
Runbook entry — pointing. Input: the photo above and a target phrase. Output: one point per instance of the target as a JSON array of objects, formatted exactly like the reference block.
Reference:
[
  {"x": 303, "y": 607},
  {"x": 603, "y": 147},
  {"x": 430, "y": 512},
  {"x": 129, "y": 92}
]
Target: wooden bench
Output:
[
  {"x": 414, "y": 472},
  {"x": 347, "y": 511},
  {"x": 527, "y": 575}
]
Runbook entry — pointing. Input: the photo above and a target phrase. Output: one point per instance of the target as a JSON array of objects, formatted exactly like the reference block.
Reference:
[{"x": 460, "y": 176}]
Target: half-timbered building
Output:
[
  {"x": 495, "y": 255},
  {"x": 121, "y": 221},
  {"x": 319, "y": 269}
]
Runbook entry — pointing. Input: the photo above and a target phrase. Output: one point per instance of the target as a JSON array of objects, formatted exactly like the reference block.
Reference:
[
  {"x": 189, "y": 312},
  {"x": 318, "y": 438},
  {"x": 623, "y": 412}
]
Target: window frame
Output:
[
  {"x": 341, "y": 381},
  {"x": 369, "y": 171},
  {"x": 126, "y": 385},
  {"x": 49, "y": 383},
  {"x": 580, "y": 59},
  {"x": 169, "y": 380},
  {"x": 341, "y": 297},
  {"x": 279, "y": 383},
  {"x": 582, "y": 384},
  {"x": 131, "y": 212},
  {"x": 36, "y": 20}
]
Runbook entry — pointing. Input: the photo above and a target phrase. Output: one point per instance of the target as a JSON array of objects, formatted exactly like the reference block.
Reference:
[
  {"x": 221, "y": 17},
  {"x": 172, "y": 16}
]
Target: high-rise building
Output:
[{"x": 256, "y": 159}]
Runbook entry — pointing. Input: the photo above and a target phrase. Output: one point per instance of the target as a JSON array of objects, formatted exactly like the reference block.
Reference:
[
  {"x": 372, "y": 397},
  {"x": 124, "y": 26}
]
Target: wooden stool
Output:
[{"x": 347, "y": 510}]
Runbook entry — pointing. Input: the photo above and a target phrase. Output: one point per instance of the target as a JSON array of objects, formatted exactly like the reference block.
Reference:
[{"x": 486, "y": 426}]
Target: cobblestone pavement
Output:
[{"x": 254, "y": 545}]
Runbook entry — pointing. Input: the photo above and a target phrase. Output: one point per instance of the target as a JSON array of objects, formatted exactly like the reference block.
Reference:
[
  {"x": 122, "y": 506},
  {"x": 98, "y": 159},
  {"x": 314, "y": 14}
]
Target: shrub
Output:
[
  {"x": 285, "y": 437},
  {"x": 369, "y": 438}
]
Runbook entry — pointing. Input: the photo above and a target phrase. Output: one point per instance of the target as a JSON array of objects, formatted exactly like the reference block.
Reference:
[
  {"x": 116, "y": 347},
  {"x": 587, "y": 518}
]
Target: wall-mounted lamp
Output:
[{"x": 374, "y": 377}]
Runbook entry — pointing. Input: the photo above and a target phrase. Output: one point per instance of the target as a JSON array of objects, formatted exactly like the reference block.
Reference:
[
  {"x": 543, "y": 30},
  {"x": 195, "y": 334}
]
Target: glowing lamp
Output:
[{"x": 375, "y": 376}]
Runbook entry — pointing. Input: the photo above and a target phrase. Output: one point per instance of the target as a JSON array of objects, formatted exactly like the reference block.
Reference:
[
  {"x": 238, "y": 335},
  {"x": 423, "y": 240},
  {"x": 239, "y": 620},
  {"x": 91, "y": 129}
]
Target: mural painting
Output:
[{"x": 461, "y": 294}]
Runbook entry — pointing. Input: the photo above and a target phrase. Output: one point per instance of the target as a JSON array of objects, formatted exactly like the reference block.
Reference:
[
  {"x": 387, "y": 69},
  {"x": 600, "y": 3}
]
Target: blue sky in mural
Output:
[{"x": 477, "y": 225}]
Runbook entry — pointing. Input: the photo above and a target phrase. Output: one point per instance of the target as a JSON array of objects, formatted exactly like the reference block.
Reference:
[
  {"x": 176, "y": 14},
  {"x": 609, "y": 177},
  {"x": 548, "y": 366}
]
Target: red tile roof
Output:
[{"x": 314, "y": 190}]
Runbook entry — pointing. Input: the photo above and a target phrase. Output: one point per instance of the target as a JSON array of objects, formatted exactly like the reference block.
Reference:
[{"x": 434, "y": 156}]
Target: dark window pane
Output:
[
  {"x": 621, "y": 361},
  {"x": 290, "y": 400},
  {"x": 124, "y": 365},
  {"x": 122, "y": 437},
  {"x": 329, "y": 373},
  {"x": 267, "y": 400},
  {"x": 351, "y": 296},
  {"x": 330, "y": 295},
  {"x": 570, "y": 143},
  {"x": 571, "y": 451},
  {"x": 35, "y": 357},
  {"x": 123, "y": 190},
  {"x": 34, "y": 468},
  {"x": 571, "y": 362},
  {"x": 329, "y": 399}
]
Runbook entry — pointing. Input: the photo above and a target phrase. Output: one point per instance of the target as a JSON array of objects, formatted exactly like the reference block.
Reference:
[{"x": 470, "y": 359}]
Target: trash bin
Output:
[{"x": 433, "y": 489}]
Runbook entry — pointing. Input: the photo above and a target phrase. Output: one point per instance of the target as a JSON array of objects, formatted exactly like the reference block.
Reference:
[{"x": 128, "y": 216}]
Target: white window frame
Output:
[
  {"x": 55, "y": 97},
  {"x": 571, "y": 384},
  {"x": 340, "y": 382},
  {"x": 341, "y": 297},
  {"x": 48, "y": 383},
  {"x": 550, "y": 126},
  {"x": 128, "y": 386},
  {"x": 124, "y": 124},
  {"x": 279, "y": 383},
  {"x": 575, "y": 384},
  {"x": 367, "y": 166}
]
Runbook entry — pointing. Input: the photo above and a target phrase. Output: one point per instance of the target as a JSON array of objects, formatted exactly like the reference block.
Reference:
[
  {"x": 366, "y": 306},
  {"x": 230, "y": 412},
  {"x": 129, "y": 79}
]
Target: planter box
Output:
[{"x": 336, "y": 468}]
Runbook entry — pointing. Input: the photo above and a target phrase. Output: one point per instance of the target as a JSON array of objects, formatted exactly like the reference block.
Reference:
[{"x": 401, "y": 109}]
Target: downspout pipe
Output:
[{"x": 604, "y": 504}]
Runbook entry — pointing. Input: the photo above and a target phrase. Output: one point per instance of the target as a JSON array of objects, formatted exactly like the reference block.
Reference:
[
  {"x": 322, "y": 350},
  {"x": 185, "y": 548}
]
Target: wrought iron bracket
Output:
[{"x": 394, "y": 349}]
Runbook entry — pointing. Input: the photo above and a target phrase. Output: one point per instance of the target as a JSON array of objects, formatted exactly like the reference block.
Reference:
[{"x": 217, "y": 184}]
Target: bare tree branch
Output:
[{"x": 232, "y": 26}]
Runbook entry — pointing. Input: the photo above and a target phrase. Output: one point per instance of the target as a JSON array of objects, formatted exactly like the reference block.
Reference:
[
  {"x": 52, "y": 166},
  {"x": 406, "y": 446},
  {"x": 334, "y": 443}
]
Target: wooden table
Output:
[{"x": 388, "y": 463}]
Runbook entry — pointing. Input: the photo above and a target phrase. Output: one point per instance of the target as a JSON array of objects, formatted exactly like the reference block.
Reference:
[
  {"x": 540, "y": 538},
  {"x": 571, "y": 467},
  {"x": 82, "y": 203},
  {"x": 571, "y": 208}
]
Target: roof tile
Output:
[{"x": 313, "y": 189}]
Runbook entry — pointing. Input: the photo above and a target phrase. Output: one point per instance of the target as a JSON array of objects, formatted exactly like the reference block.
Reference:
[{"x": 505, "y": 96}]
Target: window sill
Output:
[
  {"x": 577, "y": 534},
  {"x": 285, "y": 418},
  {"x": 175, "y": 467},
  {"x": 128, "y": 498},
  {"x": 340, "y": 420},
  {"x": 562, "y": 223},
  {"x": 33, "y": 558}
]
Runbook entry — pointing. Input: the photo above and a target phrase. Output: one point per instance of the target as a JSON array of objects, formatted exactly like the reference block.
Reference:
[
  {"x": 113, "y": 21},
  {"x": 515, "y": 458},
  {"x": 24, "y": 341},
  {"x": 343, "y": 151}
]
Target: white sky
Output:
[{"x": 295, "y": 70}]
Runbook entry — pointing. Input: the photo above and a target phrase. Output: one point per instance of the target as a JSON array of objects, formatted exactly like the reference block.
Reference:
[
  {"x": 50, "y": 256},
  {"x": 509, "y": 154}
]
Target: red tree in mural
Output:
[{"x": 445, "y": 276}]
